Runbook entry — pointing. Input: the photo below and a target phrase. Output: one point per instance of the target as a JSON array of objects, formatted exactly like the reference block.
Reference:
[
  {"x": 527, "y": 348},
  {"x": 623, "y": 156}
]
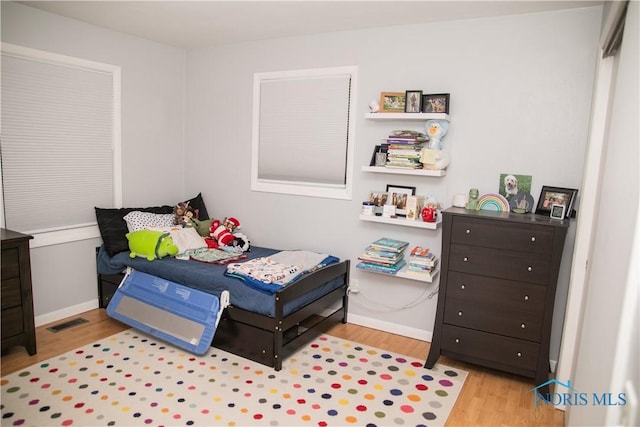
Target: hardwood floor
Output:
[{"x": 488, "y": 398}]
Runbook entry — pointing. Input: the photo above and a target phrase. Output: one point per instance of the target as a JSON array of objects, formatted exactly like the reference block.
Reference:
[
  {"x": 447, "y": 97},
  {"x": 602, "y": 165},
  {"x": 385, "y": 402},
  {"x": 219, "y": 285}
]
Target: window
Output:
[
  {"x": 60, "y": 143},
  {"x": 303, "y": 132}
]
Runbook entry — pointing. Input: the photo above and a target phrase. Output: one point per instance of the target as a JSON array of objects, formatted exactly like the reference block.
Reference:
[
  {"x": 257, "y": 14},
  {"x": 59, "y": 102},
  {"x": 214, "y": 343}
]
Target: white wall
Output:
[
  {"x": 520, "y": 98},
  {"x": 601, "y": 348},
  {"x": 64, "y": 277}
]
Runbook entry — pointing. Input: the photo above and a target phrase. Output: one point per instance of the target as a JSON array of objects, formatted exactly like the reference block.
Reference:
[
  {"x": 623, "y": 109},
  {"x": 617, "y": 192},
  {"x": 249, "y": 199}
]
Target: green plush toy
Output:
[{"x": 151, "y": 244}]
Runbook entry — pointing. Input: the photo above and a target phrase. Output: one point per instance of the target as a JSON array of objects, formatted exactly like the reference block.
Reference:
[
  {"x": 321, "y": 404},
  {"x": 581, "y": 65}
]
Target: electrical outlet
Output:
[{"x": 354, "y": 286}]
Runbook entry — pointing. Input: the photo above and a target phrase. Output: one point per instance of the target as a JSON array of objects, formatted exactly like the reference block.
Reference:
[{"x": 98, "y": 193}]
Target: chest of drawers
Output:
[
  {"x": 17, "y": 299},
  {"x": 497, "y": 288}
]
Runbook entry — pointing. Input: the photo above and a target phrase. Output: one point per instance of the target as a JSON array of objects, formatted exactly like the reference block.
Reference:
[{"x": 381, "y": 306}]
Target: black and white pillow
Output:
[{"x": 138, "y": 220}]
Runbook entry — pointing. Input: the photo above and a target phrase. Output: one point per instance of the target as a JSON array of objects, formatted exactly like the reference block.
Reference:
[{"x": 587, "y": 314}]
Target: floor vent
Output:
[{"x": 71, "y": 323}]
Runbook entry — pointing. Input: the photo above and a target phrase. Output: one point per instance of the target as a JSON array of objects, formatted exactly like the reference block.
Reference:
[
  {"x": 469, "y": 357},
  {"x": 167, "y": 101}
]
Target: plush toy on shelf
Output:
[{"x": 434, "y": 156}]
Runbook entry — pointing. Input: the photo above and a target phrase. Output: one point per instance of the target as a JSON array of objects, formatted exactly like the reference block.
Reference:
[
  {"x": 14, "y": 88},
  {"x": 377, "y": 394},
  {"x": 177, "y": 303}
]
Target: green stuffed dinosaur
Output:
[{"x": 151, "y": 244}]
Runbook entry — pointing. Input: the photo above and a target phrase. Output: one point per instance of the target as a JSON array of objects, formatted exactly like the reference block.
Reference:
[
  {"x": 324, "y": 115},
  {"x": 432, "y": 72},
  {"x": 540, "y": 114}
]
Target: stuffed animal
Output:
[
  {"x": 436, "y": 130},
  {"x": 185, "y": 215},
  {"x": 151, "y": 244},
  {"x": 225, "y": 234}
]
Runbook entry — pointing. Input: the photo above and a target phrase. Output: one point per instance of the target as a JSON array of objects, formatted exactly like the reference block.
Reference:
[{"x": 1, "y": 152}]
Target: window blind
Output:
[
  {"x": 57, "y": 143},
  {"x": 304, "y": 124}
]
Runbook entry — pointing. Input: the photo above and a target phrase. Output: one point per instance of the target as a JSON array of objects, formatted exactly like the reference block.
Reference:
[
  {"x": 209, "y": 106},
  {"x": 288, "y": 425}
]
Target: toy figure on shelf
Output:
[
  {"x": 472, "y": 204},
  {"x": 434, "y": 156}
]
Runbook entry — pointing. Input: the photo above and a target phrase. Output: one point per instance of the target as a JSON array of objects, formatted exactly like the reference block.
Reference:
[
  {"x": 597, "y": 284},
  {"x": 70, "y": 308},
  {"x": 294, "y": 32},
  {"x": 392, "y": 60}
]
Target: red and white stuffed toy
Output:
[{"x": 224, "y": 234}]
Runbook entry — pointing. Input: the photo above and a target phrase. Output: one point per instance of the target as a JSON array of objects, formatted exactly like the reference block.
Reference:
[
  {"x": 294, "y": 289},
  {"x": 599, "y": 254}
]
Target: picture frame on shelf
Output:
[
  {"x": 378, "y": 198},
  {"x": 379, "y": 155},
  {"x": 550, "y": 196},
  {"x": 558, "y": 211},
  {"x": 436, "y": 103},
  {"x": 413, "y": 101},
  {"x": 392, "y": 102},
  {"x": 397, "y": 195}
]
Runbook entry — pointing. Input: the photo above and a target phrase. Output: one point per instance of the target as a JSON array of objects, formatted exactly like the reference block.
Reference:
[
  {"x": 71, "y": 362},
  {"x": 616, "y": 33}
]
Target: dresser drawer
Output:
[
  {"x": 496, "y": 294},
  {"x": 470, "y": 314},
  {"x": 12, "y": 323},
  {"x": 531, "y": 268},
  {"x": 11, "y": 293},
  {"x": 496, "y": 351},
  {"x": 501, "y": 235},
  {"x": 10, "y": 263}
]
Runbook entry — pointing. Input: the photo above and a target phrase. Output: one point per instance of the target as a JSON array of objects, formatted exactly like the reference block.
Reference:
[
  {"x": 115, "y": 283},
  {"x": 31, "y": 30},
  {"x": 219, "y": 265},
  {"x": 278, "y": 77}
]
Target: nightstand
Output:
[{"x": 18, "y": 326}]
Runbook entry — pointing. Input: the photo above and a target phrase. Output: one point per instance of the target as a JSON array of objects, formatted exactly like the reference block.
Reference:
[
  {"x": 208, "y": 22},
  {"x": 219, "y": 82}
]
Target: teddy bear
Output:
[{"x": 184, "y": 215}]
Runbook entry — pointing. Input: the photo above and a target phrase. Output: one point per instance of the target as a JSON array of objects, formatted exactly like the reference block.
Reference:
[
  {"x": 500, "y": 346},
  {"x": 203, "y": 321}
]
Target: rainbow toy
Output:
[{"x": 493, "y": 202}]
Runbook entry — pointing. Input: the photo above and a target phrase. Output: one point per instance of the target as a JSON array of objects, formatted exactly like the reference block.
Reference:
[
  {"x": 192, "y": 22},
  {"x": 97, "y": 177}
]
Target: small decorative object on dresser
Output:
[
  {"x": 18, "y": 326},
  {"x": 497, "y": 289},
  {"x": 472, "y": 203}
]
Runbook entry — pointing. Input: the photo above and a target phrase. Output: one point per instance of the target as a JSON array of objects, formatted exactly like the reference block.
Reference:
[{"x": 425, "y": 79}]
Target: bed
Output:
[{"x": 258, "y": 325}]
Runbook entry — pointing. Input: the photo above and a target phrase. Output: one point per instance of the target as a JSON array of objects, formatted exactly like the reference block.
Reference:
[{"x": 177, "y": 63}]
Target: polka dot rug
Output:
[{"x": 131, "y": 379}]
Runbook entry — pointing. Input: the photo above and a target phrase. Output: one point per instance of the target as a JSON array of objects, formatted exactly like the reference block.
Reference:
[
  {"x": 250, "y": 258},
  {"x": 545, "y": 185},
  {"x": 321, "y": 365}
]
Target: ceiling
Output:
[{"x": 191, "y": 24}]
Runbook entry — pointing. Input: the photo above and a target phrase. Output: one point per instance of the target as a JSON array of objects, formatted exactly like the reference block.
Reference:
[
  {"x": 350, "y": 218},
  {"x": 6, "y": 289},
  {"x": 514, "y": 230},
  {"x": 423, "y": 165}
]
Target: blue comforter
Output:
[{"x": 211, "y": 278}]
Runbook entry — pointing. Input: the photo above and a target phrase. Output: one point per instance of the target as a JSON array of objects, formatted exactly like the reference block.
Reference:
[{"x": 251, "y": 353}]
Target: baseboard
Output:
[
  {"x": 392, "y": 328},
  {"x": 54, "y": 316}
]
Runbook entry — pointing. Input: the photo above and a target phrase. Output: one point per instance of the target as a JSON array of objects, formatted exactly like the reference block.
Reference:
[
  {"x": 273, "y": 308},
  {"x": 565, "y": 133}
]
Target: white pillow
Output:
[
  {"x": 137, "y": 220},
  {"x": 187, "y": 238}
]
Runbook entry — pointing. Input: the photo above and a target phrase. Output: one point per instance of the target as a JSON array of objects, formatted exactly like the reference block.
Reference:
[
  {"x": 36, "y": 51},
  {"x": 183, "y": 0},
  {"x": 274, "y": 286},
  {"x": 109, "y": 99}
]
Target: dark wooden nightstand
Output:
[{"x": 18, "y": 326}]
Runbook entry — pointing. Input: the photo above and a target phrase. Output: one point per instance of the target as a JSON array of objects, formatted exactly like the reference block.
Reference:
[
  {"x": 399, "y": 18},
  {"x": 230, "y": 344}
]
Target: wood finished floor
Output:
[{"x": 489, "y": 398}]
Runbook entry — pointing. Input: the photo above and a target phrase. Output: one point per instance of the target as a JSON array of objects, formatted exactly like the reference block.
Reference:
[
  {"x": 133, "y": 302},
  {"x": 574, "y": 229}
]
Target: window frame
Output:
[
  {"x": 343, "y": 192},
  {"x": 86, "y": 231}
]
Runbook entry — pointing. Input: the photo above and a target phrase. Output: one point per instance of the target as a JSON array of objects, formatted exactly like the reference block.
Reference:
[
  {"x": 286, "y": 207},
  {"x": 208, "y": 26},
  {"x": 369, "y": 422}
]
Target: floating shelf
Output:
[
  {"x": 404, "y": 274},
  {"x": 407, "y": 116},
  {"x": 398, "y": 171},
  {"x": 401, "y": 221}
]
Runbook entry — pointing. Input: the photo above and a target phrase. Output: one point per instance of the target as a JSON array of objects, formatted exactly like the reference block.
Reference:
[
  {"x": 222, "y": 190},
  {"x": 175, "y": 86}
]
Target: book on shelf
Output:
[
  {"x": 392, "y": 269},
  {"x": 422, "y": 258},
  {"x": 388, "y": 244}
]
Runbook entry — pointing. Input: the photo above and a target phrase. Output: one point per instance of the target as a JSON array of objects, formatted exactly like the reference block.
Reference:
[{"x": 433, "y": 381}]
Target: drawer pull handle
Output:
[
  {"x": 462, "y": 287},
  {"x": 533, "y": 238},
  {"x": 465, "y": 259},
  {"x": 529, "y": 268},
  {"x": 460, "y": 313},
  {"x": 523, "y": 326},
  {"x": 457, "y": 340},
  {"x": 468, "y": 231},
  {"x": 519, "y": 354},
  {"x": 526, "y": 297}
]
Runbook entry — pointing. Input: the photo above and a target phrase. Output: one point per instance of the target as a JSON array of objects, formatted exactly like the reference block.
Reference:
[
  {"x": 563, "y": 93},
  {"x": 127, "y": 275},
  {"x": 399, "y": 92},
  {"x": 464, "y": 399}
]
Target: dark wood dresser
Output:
[
  {"x": 17, "y": 298},
  {"x": 497, "y": 289}
]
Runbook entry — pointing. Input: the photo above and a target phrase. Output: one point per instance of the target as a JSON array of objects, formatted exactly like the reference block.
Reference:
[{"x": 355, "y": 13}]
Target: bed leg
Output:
[{"x": 277, "y": 349}]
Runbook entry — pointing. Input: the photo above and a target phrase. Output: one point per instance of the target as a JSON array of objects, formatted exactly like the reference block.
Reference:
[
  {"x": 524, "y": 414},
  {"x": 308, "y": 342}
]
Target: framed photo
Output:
[
  {"x": 557, "y": 211},
  {"x": 378, "y": 198},
  {"x": 398, "y": 196},
  {"x": 436, "y": 103},
  {"x": 413, "y": 102},
  {"x": 550, "y": 196},
  {"x": 392, "y": 102}
]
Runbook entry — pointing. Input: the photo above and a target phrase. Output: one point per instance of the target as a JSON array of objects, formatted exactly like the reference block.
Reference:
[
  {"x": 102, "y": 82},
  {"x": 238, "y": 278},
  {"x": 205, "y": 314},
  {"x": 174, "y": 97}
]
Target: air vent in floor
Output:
[{"x": 71, "y": 323}]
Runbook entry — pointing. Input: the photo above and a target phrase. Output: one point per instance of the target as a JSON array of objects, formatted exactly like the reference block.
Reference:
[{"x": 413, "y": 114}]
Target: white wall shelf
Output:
[
  {"x": 402, "y": 221},
  {"x": 407, "y": 116},
  {"x": 398, "y": 171},
  {"x": 403, "y": 273}
]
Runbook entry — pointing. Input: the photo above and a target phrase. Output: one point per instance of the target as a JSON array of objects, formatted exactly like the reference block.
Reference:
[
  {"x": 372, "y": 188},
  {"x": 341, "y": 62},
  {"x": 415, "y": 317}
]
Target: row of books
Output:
[
  {"x": 422, "y": 262},
  {"x": 404, "y": 149},
  {"x": 385, "y": 255}
]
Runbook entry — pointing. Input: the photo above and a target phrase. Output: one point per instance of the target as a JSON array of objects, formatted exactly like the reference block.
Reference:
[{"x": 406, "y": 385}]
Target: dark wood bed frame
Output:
[{"x": 269, "y": 340}]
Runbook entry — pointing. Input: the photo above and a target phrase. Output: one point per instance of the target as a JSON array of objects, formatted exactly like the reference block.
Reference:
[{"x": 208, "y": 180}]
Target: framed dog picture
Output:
[
  {"x": 436, "y": 103},
  {"x": 550, "y": 196}
]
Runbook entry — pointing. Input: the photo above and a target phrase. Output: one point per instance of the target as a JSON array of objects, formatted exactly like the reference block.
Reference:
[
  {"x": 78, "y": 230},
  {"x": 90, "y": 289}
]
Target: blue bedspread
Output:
[{"x": 210, "y": 278}]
